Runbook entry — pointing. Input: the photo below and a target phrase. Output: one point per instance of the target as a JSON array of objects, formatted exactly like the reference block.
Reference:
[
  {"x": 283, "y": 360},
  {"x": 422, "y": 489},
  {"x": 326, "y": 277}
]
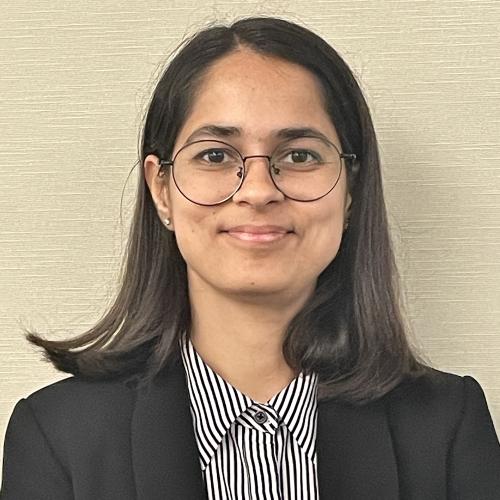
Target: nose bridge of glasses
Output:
[
  {"x": 267, "y": 160},
  {"x": 251, "y": 157}
]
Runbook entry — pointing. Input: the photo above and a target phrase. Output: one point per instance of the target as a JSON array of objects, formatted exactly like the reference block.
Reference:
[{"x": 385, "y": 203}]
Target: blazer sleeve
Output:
[
  {"x": 31, "y": 469},
  {"x": 474, "y": 460}
]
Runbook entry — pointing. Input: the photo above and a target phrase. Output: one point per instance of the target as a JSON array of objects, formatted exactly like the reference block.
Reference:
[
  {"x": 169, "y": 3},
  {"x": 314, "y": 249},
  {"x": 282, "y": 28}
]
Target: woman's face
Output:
[{"x": 258, "y": 96}]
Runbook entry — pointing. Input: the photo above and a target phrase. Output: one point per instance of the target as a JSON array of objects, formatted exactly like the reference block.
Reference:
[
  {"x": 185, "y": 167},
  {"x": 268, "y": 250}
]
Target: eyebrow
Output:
[
  {"x": 214, "y": 130},
  {"x": 284, "y": 133}
]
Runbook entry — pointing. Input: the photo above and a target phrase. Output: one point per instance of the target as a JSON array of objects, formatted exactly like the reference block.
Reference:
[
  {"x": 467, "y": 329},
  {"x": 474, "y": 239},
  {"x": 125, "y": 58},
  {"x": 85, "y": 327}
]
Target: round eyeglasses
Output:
[{"x": 208, "y": 172}]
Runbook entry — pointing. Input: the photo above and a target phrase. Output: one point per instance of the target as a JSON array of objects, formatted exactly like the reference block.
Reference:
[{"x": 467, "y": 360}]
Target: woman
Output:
[{"x": 255, "y": 349}]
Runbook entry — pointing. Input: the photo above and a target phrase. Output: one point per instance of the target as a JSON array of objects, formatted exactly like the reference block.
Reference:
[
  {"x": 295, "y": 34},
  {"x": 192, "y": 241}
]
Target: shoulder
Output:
[
  {"x": 79, "y": 403},
  {"x": 78, "y": 394},
  {"x": 437, "y": 401},
  {"x": 435, "y": 387},
  {"x": 441, "y": 427},
  {"x": 66, "y": 429},
  {"x": 78, "y": 410}
]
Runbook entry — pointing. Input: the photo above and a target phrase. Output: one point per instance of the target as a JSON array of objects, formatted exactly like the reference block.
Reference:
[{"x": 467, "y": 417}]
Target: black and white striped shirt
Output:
[{"x": 250, "y": 450}]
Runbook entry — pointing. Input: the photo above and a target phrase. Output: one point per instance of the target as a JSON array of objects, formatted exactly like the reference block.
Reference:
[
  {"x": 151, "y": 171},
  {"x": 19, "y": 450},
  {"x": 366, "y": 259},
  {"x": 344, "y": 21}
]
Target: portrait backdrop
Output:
[{"x": 75, "y": 78}]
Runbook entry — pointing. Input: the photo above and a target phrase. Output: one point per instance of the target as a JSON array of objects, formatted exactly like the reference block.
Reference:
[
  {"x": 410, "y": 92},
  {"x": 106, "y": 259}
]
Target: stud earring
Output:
[{"x": 167, "y": 222}]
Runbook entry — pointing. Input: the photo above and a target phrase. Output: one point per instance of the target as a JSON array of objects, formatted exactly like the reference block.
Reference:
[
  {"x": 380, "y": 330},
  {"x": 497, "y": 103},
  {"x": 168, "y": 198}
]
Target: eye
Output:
[
  {"x": 300, "y": 156},
  {"x": 213, "y": 155},
  {"x": 217, "y": 156}
]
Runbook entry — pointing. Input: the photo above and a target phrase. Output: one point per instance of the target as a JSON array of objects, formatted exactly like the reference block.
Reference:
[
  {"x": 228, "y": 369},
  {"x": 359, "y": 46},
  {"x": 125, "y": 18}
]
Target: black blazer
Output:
[{"x": 431, "y": 439}]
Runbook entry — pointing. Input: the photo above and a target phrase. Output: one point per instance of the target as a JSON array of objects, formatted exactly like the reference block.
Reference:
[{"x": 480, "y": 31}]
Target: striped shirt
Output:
[{"x": 250, "y": 450}]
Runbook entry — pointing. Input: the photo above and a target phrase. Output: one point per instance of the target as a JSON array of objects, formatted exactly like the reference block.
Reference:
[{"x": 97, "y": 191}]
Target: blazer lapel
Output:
[
  {"x": 355, "y": 456},
  {"x": 164, "y": 451}
]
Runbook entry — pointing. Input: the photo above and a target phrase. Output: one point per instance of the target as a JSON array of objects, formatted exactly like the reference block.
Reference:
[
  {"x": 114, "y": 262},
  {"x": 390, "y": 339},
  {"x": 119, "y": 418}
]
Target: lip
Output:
[
  {"x": 254, "y": 229},
  {"x": 256, "y": 237}
]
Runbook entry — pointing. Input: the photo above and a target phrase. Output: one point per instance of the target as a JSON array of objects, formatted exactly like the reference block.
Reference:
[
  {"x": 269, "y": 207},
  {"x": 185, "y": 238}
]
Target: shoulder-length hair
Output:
[{"x": 351, "y": 331}]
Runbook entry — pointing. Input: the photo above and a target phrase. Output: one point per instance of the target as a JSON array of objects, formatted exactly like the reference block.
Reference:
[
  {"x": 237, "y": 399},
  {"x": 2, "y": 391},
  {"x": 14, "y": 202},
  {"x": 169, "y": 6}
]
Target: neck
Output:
[{"x": 241, "y": 338}]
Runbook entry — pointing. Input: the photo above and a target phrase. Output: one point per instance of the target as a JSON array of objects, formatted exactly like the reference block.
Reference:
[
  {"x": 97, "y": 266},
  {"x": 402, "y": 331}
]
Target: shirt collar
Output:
[{"x": 216, "y": 404}]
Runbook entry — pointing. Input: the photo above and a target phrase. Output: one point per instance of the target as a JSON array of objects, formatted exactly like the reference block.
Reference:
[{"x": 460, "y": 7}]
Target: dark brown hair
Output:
[{"x": 351, "y": 331}]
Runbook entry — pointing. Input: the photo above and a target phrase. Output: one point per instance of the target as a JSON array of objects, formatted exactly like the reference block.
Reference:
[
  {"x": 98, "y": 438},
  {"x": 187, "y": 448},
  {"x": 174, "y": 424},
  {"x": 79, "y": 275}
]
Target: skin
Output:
[{"x": 243, "y": 295}]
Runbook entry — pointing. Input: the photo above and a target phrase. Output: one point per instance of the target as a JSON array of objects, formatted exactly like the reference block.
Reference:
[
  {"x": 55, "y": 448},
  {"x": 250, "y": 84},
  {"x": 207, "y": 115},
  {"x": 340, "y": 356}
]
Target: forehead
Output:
[
  {"x": 259, "y": 72},
  {"x": 258, "y": 94}
]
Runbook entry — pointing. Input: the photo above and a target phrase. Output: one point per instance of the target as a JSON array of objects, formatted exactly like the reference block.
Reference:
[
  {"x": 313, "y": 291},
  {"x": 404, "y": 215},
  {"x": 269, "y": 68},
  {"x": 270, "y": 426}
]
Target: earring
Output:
[{"x": 167, "y": 222}]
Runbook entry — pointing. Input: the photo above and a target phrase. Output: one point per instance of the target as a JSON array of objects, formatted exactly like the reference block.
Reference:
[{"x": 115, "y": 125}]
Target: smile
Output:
[{"x": 257, "y": 237}]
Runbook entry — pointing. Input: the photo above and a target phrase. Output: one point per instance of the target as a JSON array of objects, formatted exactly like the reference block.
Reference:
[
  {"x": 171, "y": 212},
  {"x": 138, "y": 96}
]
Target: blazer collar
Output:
[{"x": 354, "y": 446}]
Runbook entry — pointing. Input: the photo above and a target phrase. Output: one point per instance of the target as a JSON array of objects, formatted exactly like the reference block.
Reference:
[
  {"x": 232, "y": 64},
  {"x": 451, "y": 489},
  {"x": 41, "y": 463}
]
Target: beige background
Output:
[{"x": 74, "y": 80}]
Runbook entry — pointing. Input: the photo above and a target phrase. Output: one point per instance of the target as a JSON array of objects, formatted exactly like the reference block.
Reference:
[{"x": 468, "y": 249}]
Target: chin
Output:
[
  {"x": 254, "y": 285},
  {"x": 254, "y": 288}
]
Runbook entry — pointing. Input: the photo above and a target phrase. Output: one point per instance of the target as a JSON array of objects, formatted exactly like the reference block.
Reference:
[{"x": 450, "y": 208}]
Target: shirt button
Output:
[{"x": 260, "y": 417}]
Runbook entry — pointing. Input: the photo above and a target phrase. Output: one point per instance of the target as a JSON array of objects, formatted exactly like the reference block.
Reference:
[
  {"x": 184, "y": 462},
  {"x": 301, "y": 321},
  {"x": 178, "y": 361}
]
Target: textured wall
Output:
[{"x": 75, "y": 77}]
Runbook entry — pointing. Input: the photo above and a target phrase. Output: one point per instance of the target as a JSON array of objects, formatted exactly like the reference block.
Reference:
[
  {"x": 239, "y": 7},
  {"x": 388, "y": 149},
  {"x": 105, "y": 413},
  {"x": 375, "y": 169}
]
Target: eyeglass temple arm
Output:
[
  {"x": 164, "y": 163},
  {"x": 348, "y": 156}
]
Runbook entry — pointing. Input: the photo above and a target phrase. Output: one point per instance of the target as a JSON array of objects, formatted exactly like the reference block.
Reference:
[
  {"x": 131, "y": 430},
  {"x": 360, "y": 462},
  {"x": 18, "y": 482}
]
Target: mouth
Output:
[
  {"x": 257, "y": 237},
  {"x": 254, "y": 234},
  {"x": 258, "y": 234}
]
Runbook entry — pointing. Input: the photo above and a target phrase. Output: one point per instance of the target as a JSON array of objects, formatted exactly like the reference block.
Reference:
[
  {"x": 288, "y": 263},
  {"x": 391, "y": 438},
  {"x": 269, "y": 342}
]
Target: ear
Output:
[
  {"x": 158, "y": 187},
  {"x": 347, "y": 208}
]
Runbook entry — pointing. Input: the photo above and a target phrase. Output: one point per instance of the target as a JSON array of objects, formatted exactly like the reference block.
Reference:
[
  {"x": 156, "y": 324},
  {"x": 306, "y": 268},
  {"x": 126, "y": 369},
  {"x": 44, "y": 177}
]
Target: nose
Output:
[{"x": 258, "y": 187}]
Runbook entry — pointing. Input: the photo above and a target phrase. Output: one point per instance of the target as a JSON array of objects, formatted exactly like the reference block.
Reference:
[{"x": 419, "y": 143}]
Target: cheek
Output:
[
  {"x": 326, "y": 240},
  {"x": 192, "y": 226},
  {"x": 323, "y": 236}
]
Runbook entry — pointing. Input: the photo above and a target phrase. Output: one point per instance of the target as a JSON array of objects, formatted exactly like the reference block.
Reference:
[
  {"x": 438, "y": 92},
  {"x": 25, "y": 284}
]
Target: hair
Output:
[{"x": 351, "y": 331}]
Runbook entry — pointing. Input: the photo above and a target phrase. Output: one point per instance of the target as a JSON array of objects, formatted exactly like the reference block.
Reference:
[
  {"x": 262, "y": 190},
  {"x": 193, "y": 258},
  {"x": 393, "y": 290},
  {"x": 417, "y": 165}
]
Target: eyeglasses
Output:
[{"x": 208, "y": 172}]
